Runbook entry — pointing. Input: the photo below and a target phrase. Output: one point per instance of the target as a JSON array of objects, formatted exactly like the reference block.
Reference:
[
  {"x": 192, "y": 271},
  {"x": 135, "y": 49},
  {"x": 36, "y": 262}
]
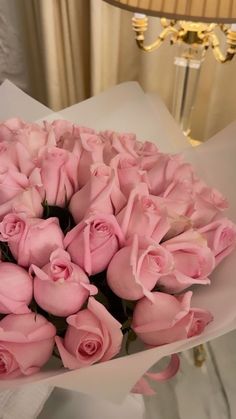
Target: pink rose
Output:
[
  {"x": 14, "y": 156},
  {"x": 28, "y": 202},
  {"x": 68, "y": 135},
  {"x": 146, "y": 148},
  {"x": 116, "y": 143},
  {"x": 31, "y": 135},
  {"x": 61, "y": 287},
  {"x": 135, "y": 269},
  {"x": 93, "y": 242},
  {"x": 59, "y": 175},
  {"x": 209, "y": 204},
  {"x": 168, "y": 318},
  {"x": 16, "y": 289},
  {"x": 91, "y": 152},
  {"x": 26, "y": 344},
  {"x": 93, "y": 335},
  {"x": 12, "y": 183},
  {"x": 221, "y": 237},
  {"x": 9, "y": 128},
  {"x": 165, "y": 170},
  {"x": 148, "y": 153},
  {"x": 142, "y": 216},
  {"x": 31, "y": 240},
  {"x": 179, "y": 197},
  {"x": 100, "y": 194},
  {"x": 128, "y": 171},
  {"x": 34, "y": 137},
  {"x": 66, "y": 132},
  {"x": 193, "y": 262}
]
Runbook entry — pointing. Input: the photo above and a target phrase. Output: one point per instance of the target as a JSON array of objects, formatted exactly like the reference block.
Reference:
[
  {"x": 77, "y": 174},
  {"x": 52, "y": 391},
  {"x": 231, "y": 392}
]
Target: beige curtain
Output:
[{"x": 78, "y": 48}]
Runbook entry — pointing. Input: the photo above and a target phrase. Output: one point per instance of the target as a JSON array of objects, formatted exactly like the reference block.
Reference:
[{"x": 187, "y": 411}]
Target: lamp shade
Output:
[{"x": 223, "y": 11}]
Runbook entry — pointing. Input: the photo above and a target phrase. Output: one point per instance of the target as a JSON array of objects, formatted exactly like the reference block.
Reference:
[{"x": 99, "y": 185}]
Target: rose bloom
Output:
[
  {"x": 116, "y": 143},
  {"x": 61, "y": 287},
  {"x": 91, "y": 152},
  {"x": 8, "y": 128},
  {"x": 179, "y": 197},
  {"x": 12, "y": 183},
  {"x": 93, "y": 335},
  {"x": 59, "y": 175},
  {"x": 14, "y": 156},
  {"x": 167, "y": 170},
  {"x": 28, "y": 202},
  {"x": 31, "y": 136},
  {"x": 209, "y": 204},
  {"x": 193, "y": 262},
  {"x": 129, "y": 172},
  {"x": 34, "y": 137},
  {"x": 135, "y": 269},
  {"x": 31, "y": 240},
  {"x": 93, "y": 242},
  {"x": 221, "y": 237},
  {"x": 19, "y": 193},
  {"x": 68, "y": 135},
  {"x": 26, "y": 344},
  {"x": 99, "y": 194},
  {"x": 143, "y": 216},
  {"x": 168, "y": 318},
  {"x": 16, "y": 289}
]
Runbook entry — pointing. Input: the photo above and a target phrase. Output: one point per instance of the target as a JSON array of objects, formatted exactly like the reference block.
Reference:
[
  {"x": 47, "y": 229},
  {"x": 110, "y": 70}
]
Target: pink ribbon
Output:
[{"x": 143, "y": 387}]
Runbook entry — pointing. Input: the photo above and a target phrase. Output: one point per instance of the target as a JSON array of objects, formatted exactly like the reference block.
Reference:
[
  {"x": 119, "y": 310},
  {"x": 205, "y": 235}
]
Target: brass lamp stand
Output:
[
  {"x": 194, "y": 38},
  {"x": 194, "y": 25}
]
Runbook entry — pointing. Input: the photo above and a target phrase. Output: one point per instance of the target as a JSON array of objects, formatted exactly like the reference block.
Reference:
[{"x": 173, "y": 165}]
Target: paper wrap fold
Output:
[{"x": 125, "y": 108}]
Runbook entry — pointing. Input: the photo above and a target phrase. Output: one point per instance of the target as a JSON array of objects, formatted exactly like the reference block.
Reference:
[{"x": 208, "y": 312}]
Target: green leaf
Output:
[
  {"x": 6, "y": 253},
  {"x": 128, "y": 307},
  {"x": 101, "y": 298},
  {"x": 64, "y": 216},
  {"x": 126, "y": 325},
  {"x": 130, "y": 338}
]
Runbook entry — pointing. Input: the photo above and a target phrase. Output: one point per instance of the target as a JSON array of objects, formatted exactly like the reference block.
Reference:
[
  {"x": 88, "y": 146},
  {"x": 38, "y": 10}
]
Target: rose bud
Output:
[
  {"x": 168, "y": 318},
  {"x": 68, "y": 134},
  {"x": 16, "y": 289},
  {"x": 92, "y": 152},
  {"x": 116, "y": 143},
  {"x": 59, "y": 175},
  {"x": 26, "y": 344},
  {"x": 99, "y": 194},
  {"x": 135, "y": 269},
  {"x": 14, "y": 156},
  {"x": 34, "y": 138},
  {"x": 193, "y": 262},
  {"x": 12, "y": 183},
  {"x": 165, "y": 170},
  {"x": 209, "y": 204},
  {"x": 143, "y": 216},
  {"x": 221, "y": 237},
  {"x": 61, "y": 287},
  {"x": 93, "y": 242},
  {"x": 128, "y": 171},
  {"x": 93, "y": 335},
  {"x": 31, "y": 240}
]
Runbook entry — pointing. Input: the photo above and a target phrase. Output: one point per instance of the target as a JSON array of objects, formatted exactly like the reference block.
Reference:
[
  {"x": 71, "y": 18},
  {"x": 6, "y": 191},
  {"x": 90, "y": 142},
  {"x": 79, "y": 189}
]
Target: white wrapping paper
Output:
[{"x": 126, "y": 108}]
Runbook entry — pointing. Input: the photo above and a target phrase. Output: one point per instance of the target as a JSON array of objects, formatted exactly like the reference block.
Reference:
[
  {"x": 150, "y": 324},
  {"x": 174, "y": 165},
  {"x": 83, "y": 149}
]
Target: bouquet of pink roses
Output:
[{"x": 101, "y": 238}]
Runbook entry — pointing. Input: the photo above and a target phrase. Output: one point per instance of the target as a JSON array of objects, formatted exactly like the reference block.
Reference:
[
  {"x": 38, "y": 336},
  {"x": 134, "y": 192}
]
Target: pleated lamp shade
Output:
[{"x": 223, "y": 11}]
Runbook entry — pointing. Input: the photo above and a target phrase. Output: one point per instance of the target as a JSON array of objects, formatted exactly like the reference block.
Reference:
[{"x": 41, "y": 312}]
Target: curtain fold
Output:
[{"x": 78, "y": 48}]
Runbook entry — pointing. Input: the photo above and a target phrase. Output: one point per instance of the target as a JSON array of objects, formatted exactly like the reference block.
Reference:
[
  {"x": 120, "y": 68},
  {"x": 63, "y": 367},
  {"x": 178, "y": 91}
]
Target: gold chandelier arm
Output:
[
  {"x": 140, "y": 26},
  {"x": 215, "y": 44}
]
